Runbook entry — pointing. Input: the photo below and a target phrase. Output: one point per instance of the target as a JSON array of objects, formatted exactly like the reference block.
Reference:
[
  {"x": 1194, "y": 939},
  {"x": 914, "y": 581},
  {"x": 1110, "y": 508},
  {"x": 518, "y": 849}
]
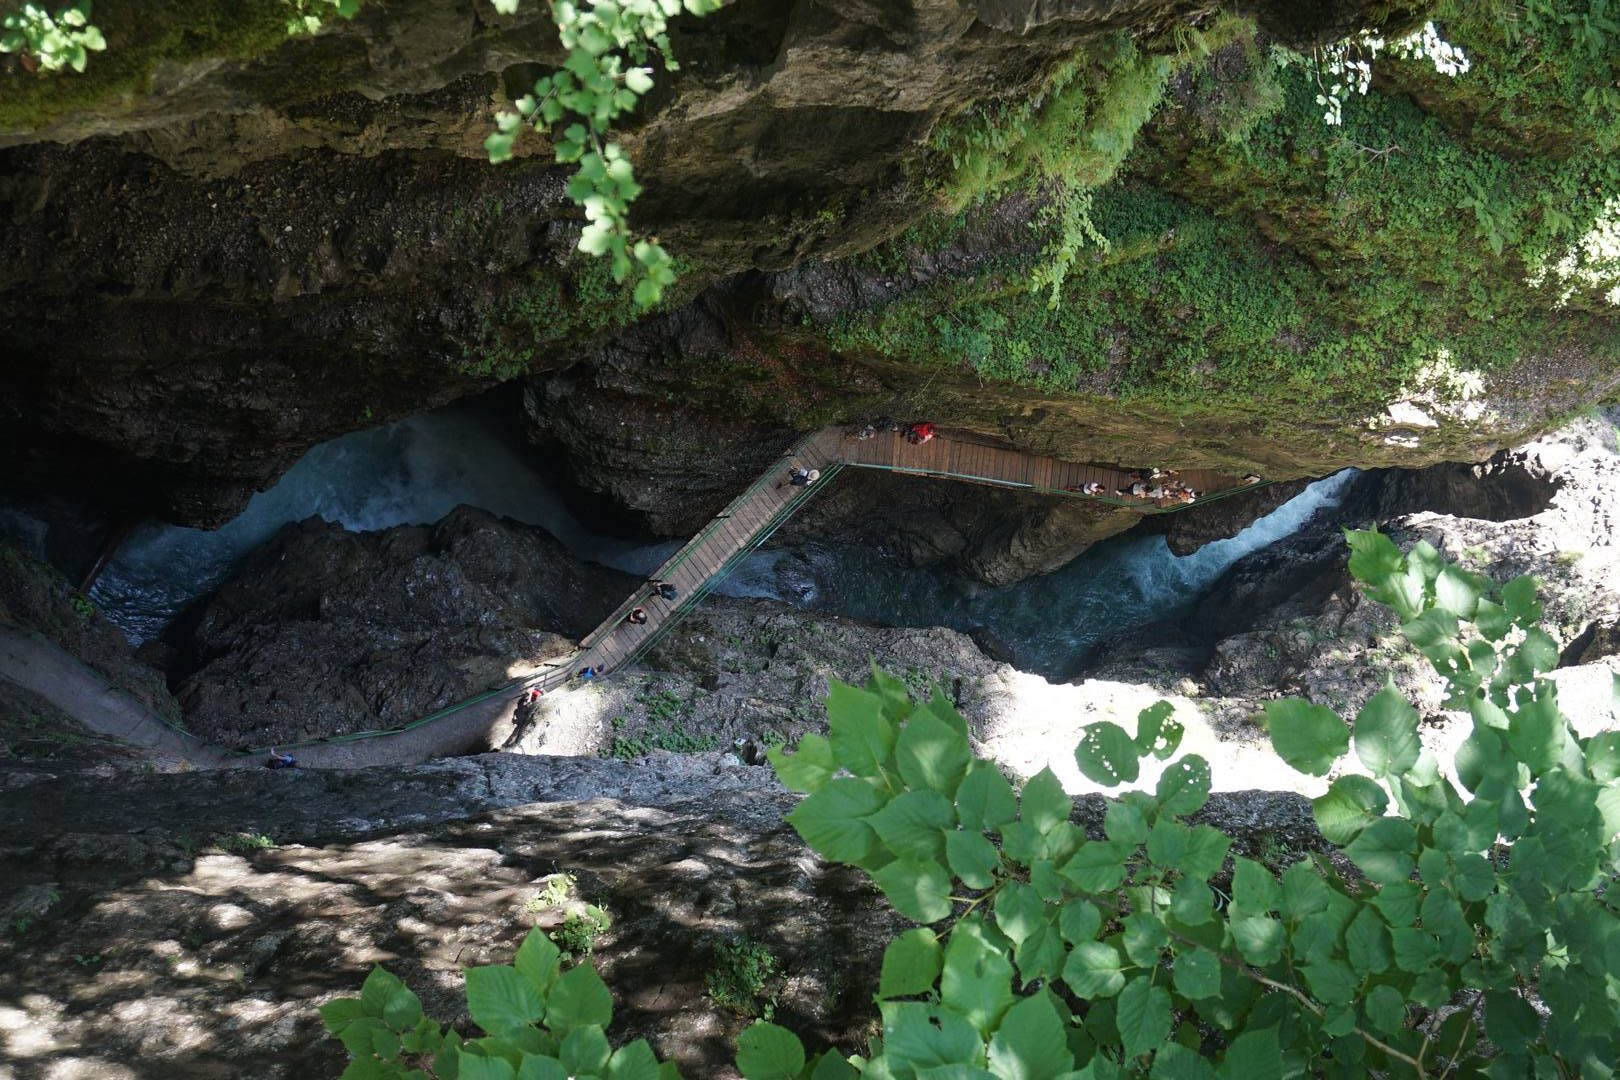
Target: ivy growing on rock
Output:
[
  {"x": 593, "y": 89},
  {"x": 51, "y": 42}
]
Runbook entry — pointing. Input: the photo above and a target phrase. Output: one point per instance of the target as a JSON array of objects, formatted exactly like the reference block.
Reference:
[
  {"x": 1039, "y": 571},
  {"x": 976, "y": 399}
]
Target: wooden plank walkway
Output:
[
  {"x": 694, "y": 569},
  {"x": 758, "y": 511}
]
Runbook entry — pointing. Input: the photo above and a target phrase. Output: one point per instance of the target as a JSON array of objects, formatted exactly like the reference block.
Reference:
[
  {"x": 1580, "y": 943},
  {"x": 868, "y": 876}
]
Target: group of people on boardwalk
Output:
[
  {"x": 1157, "y": 485},
  {"x": 661, "y": 590},
  {"x": 916, "y": 433}
]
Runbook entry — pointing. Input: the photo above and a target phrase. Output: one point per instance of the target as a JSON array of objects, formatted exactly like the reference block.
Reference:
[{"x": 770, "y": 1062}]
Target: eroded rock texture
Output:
[
  {"x": 330, "y": 632},
  {"x": 273, "y": 242}
]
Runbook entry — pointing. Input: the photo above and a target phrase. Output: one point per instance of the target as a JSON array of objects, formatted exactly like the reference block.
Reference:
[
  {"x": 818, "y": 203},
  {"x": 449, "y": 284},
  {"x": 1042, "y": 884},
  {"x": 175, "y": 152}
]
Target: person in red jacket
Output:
[{"x": 918, "y": 434}]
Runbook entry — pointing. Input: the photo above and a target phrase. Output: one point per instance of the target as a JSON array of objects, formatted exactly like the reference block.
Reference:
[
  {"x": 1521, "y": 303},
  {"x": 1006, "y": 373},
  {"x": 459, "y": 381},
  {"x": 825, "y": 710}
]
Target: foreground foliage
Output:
[
  {"x": 1465, "y": 929},
  {"x": 1457, "y": 905}
]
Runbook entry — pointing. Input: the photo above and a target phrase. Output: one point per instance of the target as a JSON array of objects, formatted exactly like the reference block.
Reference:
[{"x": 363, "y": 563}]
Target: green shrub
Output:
[
  {"x": 51, "y": 42},
  {"x": 1150, "y": 952},
  {"x": 577, "y": 935},
  {"x": 738, "y": 972},
  {"x": 1455, "y": 911}
]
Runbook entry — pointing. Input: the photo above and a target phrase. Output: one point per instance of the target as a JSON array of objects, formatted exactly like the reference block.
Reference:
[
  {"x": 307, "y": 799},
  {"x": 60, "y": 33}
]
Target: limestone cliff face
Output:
[{"x": 221, "y": 249}]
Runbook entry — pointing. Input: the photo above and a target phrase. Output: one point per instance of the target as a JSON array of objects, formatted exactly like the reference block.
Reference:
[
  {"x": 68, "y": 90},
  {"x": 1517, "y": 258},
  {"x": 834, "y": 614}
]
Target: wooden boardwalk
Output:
[{"x": 752, "y": 516}]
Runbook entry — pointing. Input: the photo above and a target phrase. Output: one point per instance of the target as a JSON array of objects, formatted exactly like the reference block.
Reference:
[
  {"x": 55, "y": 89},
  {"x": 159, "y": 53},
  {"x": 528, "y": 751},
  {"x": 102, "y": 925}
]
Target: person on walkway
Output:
[
  {"x": 663, "y": 590},
  {"x": 1092, "y": 487},
  {"x": 919, "y": 433},
  {"x": 865, "y": 432},
  {"x": 280, "y": 760},
  {"x": 588, "y": 673},
  {"x": 1251, "y": 479},
  {"x": 637, "y": 616},
  {"x": 802, "y": 477}
]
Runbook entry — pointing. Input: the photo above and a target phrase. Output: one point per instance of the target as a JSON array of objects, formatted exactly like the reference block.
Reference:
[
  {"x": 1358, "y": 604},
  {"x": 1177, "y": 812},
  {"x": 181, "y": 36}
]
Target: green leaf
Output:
[
  {"x": 1045, "y": 805},
  {"x": 634, "y": 1061},
  {"x": 1535, "y": 655},
  {"x": 538, "y": 960},
  {"x": 1384, "y": 849},
  {"x": 1106, "y": 755},
  {"x": 932, "y": 754},
  {"x": 1019, "y": 911},
  {"x": 1192, "y": 902},
  {"x": 1259, "y": 939},
  {"x": 380, "y": 986},
  {"x": 501, "y": 1000},
  {"x": 639, "y": 80},
  {"x": 585, "y": 1050},
  {"x": 833, "y": 820},
  {"x": 1156, "y": 733},
  {"x": 914, "y": 823},
  {"x": 862, "y": 738},
  {"x": 809, "y": 769},
  {"x": 1458, "y": 592},
  {"x": 1303, "y": 891},
  {"x": 1386, "y": 733},
  {"x": 1183, "y": 788},
  {"x": 1197, "y": 974},
  {"x": 1536, "y": 731},
  {"x": 1309, "y": 737},
  {"x": 1366, "y": 942},
  {"x": 919, "y": 1035},
  {"x": 976, "y": 982},
  {"x": 580, "y": 998},
  {"x": 1430, "y": 629},
  {"x": 1351, "y": 804},
  {"x": 832, "y": 1066},
  {"x": 911, "y": 964},
  {"x": 1254, "y": 888},
  {"x": 1123, "y": 823},
  {"x": 1095, "y": 969},
  {"x": 596, "y": 238},
  {"x": 919, "y": 891},
  {"x": 985, "y": 799},
  {"x": 1519, "y": 597},
  {"x": 1491, "y": 620},
  {"x": 1373, "y": 556},
  {"x": 768, "y": 1052},
  {"x": 339, "y": 1013},
  {"x": 402, "y": 1010},
  {"x": 972, "y": 858},
  {"x": 1385, "y": 1009},
  {"x": 1097, "y": 866},
  {"x": 483, "y": 1068},
  {"x": 1254, "y": 1055},
  {"x": 1331, "y": 982},
  {"x": 1205, "y": 853},
  {"x": 1603, "y": 752},
  {"x": 1079, "y": 920},
  {"x": 1031, "y": 1043},
  {"x": 1143, "y": 1018},
  {"x": 1176, "y": 1062},
  {"x": 1510, "y": 1022}
]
